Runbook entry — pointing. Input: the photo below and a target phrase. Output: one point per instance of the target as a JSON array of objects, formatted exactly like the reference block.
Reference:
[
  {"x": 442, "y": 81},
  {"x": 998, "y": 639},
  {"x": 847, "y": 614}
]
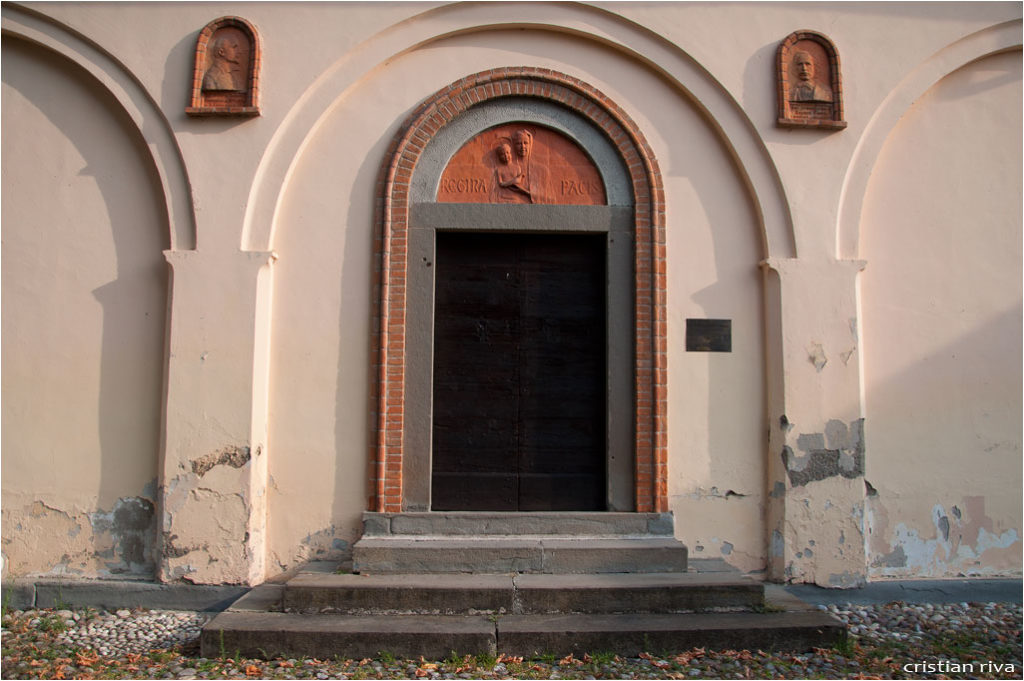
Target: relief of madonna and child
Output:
[{"x": 518, "y": 164}]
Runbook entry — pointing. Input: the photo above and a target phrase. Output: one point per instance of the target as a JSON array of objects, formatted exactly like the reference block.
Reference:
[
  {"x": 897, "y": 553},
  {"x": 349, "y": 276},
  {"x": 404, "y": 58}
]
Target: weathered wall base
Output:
[
  {"x": 101, "y": 543},
  {"x": 944, "y": 541},
  {"x": 214, "y": 477},
  {"x": 816, "y": 463}
]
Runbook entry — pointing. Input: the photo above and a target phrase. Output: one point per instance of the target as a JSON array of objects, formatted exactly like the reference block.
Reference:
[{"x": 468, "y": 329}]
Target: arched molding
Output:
[
  {"x": 153, "y": 126},
  {"x": 984, "y": 43},
  {"x": 392, "y": 245},
  {"x": 637, "y": 43}
]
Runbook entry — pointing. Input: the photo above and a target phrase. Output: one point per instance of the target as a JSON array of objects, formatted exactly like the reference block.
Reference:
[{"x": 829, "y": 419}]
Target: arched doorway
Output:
[{"x": 584, "y": 224}]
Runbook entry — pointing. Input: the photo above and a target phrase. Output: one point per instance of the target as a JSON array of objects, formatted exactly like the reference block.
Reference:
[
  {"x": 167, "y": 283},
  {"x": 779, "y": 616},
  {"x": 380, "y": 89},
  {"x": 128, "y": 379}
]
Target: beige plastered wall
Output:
[
  {"x": 941, "y": 305},
  {"x": 250, "y": 405},
  {"x": 84, "y": 307}
]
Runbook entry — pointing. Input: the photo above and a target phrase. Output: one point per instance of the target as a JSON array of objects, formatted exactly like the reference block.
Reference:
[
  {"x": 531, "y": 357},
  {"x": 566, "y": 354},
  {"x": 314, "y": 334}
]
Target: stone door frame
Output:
[{"x": 397, "y": 457}]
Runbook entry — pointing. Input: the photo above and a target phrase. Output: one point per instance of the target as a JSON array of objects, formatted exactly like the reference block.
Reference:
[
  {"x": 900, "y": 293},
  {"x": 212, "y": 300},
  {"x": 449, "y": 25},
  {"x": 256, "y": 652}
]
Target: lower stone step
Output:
[
  {"x": 449, "y": 594},
  {"x": 270, "y": 635},
  {"x": 630, "y": 635},
  {"x": 505, "y": 554}
]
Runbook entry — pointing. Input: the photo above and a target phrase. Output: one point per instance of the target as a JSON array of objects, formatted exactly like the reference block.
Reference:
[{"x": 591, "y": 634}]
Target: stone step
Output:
[
  {"x": 629, "y": 635},
  {"x": 450, "y": 594},
  {"x": 273, "y": 634},
  {"x": 269, "y": 635},
  {"x": 482, "y": 523},
  {"x": 522, "y": 553}
]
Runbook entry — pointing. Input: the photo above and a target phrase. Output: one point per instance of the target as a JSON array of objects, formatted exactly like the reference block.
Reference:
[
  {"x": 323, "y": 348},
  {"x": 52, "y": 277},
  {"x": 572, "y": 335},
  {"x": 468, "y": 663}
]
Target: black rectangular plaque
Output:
[{"x": 709, "y": 335}]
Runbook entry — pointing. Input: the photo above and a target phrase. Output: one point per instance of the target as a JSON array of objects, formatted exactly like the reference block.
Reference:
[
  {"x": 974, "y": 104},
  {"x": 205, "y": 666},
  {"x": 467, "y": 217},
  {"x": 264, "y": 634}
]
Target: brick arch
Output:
[{"x": 391, "y": 248}]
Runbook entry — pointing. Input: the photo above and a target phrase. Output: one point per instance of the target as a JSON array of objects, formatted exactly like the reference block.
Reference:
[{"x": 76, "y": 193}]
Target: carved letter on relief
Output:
[
  {"x": 225, "y": 79},
  {"x": 809, "y": 83},
  {"x": 521, "y": 163}
]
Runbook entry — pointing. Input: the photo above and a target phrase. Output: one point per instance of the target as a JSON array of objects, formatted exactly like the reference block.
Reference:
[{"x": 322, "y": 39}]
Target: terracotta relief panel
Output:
[
  {"x": 809, "y": 82},
  {"x": 225, "y": 79},
  {"x": 521, "y": 163}
]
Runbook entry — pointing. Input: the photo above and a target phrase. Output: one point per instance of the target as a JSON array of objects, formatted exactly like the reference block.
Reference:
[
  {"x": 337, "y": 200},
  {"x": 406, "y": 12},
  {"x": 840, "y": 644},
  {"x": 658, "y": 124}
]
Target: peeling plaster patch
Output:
[
  {"x": 845, "y": 356},
  {"x": 169, "y": 550},
  {"x": 100, "y": 543},
  {"x": 846, "y": 580},
  {"x": 203, "y": 528},
  {"x": 943, "y": 524},
  {"x": 870, "y": 491},
  {"x": 132, "y": 525},
  {"x": 236, "y": 457},
  {"x": 182, "y": 572},
  {"x": 323, "y": 545},
  {"x": 714, "y": 493},
  {"x": 778, "y": 490},
  {"x": 816, "y": 356},
  {"x": 784, "y": 423},
  {"x": 896, "y": 558},
  {"x": 956, "y": 512},
  {"x": 726, "y": 548},
  {"x": 950, "y": 550},
  {"x": 778, "y": 547},
  {"x": 839, "y": 451},
  {"x": 987, "y": 540}
]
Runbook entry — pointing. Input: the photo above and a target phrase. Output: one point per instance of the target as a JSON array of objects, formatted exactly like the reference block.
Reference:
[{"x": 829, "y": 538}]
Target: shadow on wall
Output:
[
  {"x": 131, "y": 353},
  {"x": 364, "y": 193},
  {"x": 732, "y": 485}
]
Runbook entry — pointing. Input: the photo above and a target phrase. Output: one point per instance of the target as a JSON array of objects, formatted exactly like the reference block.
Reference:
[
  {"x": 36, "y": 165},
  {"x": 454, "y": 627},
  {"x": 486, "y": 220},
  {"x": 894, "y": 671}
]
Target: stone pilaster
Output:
[
  {"x": 816, "y": 453},
  {"x": 214, "y": 459}
]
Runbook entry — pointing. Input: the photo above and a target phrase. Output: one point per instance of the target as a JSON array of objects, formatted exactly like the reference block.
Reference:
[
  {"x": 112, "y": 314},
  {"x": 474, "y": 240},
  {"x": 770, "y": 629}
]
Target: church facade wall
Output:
[{"x": 190, "y": 302}]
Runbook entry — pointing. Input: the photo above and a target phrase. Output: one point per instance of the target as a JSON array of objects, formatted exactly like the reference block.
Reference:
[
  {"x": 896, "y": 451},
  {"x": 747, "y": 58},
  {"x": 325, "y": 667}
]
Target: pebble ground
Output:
[{"x": 896, "y": 640}]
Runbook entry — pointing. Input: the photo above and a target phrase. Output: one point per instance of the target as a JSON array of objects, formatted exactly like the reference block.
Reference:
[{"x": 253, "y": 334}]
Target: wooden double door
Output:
[{"x": 520, "y": 372}]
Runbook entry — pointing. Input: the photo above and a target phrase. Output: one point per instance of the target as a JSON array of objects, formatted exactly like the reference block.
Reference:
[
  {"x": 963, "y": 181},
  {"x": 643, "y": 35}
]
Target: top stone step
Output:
[{"x": 483, "y": 523}]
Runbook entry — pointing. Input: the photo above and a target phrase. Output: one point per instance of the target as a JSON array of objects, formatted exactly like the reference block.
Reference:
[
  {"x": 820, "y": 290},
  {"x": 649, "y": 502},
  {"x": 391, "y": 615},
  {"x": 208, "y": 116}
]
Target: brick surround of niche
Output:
[
  {"x": 391, "y": 252},
  {"x": 246, "y": 102}
]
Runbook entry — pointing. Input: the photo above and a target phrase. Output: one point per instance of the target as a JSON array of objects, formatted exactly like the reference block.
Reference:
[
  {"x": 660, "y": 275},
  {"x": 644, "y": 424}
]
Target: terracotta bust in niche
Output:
[
  {"x": 809, "y": 83},
  {"x": 806, "y": 88},
  {"x": 226, "y": 59},
  {"x": 225, "y": 79},
  {"x": 521, "y": 163}
]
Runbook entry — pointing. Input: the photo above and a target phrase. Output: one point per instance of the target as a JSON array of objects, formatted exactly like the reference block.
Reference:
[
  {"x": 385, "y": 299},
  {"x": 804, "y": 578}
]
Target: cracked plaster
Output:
[{"x": 41, "y": 539}]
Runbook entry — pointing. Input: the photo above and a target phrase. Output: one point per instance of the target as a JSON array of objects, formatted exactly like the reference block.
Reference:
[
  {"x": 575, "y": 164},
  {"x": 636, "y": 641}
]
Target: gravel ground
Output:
[{"x": 895, "y": 640}]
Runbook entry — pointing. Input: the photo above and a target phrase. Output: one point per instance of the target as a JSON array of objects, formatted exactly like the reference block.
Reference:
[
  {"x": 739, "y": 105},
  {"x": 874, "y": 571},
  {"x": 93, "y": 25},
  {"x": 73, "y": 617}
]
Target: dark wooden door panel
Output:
[
  {"x": 519, "y": 372},
  {"x": 577, "y": 492},
  {"x": 475, "y": 491}
]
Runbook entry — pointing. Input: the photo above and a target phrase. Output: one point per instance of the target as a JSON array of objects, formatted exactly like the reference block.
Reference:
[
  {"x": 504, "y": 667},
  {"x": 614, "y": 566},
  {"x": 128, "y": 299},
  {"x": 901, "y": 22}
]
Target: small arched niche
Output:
[
  {"x": 225, "y": 75},
  {"x": 809, "y": 83}
]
